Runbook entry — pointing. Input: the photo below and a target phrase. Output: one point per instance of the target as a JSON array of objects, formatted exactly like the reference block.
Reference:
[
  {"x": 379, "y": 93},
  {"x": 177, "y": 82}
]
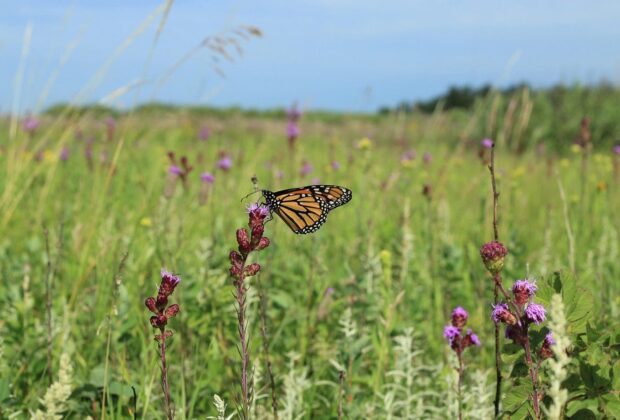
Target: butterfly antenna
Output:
[{"x": 252, "y": 193}]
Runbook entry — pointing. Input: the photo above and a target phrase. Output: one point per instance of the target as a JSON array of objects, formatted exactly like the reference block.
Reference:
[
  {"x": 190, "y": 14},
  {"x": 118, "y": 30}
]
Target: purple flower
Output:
[
  {"x": 501, "y": 313},
  {"x": 451, "y": 332},
  {"x": 175, "y": 170},
  {"x": 617, "y": 149},
  {"x": 258, "y": 210},
  {"x": 335, "y": 165},
  {"x": 487, "y": 143},
  {"x": 315, "y": 181},
  {"x": 427, "y": 157},
  {"x": 64, "y": 153},
  {"x": 459, "y": 317},
  {"x": 473, "y": 337},
  {"x": 306, "y": 169},
  {"x": 204, "y": 133},
  {"x": 224, "y": 163},
  {"x": 329, "y": 291},
  {"x": 207, "y": 177},
  {"x": 523, "y": 290},
  {"x": 279, "y": 175},
  {"x": 408, "y": 156},
  {"x": 110, "y": 122},
  {"x": 549, "y": 341},
  {"x": 30, "y": 124},
  {"x": 292, "y": 130},
  {"x": 294, "y": 113},
  {"x": 492, "y": 254},
  {"x": 535, "y": 313}
]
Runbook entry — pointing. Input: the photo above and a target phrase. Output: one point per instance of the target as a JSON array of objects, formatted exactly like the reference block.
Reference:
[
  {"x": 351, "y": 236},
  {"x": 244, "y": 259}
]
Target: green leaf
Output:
[
  {"x": 516, "y": 397},
  {"x": 615, "y": 384},
  {"x": 583, "y": 414},
  {"x": 611, "y": 405}
]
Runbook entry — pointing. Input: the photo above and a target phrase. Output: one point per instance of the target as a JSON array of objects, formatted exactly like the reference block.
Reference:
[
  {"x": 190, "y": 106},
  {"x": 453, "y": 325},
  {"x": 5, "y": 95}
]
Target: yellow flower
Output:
[
  {"x": 146, "y": 222},
  {"x": 601, "y": 186},
  {"x": 576, "y": 149},
  {"x": 48, "y": 156},
  {"x": 564, "y": 163},
  {"x": 364, "y": 144}
]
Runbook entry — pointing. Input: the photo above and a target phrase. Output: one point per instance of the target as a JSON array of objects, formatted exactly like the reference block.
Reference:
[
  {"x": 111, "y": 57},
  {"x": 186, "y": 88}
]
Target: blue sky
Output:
[{"x": 353, "y": 55}]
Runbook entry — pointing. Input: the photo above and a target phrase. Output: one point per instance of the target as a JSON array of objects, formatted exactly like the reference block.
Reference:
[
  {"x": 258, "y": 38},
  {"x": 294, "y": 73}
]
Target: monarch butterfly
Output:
[{"x": 305, "y": 209}]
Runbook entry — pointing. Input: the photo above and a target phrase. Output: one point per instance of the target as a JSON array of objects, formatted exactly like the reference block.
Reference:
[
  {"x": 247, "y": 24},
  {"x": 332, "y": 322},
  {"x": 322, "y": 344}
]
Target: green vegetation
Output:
[{"x": 398, "y": 260}]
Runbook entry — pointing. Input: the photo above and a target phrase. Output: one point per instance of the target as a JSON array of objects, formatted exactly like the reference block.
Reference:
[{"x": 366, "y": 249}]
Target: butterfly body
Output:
[{"x": 305, "y": 209}]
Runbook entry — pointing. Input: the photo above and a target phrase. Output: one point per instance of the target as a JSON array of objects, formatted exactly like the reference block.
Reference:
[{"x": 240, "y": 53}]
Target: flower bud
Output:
[
  {"x": 172, "y": 310},
  {"x": 459, "y": 317},
  {"x": 263, "y": 243},
  {"x": 235, "y": 271},
  {"x": 252, "y": 269},
  {"x": 546, "y": 351},
  {"x": 493, "y": 254},
  {"x": 236, "y": 258},
  {"x": 243, "y": 241},
  {"x": 501, "y": 313},
  {"x": 523, "y": 290},
  {"x": 257, "y": 233},
  {"x": 150, "y": 304}
]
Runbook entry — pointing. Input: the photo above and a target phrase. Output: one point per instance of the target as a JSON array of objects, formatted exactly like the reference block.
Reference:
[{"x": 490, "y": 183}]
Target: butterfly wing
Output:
[{"x": 305, "y": 209}]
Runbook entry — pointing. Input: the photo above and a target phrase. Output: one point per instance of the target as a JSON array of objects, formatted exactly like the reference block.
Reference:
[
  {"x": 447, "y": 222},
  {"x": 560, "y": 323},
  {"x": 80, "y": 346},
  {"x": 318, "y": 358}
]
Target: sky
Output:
[{"x": 344, "y": 55}]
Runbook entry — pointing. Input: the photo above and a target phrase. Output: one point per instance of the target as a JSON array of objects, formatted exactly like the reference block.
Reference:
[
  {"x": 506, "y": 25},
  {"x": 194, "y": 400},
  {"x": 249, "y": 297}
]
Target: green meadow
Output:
[{"x": 351, "y": 318}]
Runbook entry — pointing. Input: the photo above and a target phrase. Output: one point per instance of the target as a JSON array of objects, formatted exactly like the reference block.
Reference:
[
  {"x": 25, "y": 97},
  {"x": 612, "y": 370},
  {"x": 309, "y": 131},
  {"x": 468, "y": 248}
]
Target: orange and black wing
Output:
[{"x": 305, "y": 209}]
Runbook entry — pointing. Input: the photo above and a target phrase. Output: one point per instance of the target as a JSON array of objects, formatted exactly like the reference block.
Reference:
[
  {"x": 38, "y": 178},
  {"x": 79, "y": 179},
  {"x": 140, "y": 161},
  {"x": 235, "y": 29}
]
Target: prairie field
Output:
[{"x": 347, "y": 322}]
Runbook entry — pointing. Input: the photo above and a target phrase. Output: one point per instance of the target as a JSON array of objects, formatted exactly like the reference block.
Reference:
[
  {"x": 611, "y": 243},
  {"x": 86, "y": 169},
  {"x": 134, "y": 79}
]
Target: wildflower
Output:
[
  {"x": 459, "y": 317},
  {"x": 493, "y": 254},
  {"x": 407, "y": 158},
  {"x": 451, "y": 333},
  {"x": 258, "y": 210},
  {"x": 292, "y": 131},
  {"x": 523, "y": 290},
  {"x": 427, "y": 191},
  {"x": 315, "y": 181},
  {"x": 64, "y": 153},
  {"x": 335, "y": 165},
  {"x": 487, "y": 143},
  {"x": 306, "y": 168},
  {"x": 471, "y": 338},
  {"x": 225, "y": 163},
  {"x": 159, "y": 306},
  {"x": 501, "y": 313},
  {"x": 601, "y": 185},
  {"x": 175, "y": 170},
  {"x": 204, "y": 133},
  {"x": 146, "y": 222},
  {"x": 545, "y": 350},
  {"x": 294, "y": 113},
  {"x": 30, "y": 124},
  {"x": 535, "y": 313},
  {"x": 617, "y": 149},
  {"x": 364, "y": 144},
  {"x": 576, "y": 149},
  {"x": 207, "y": 177},
  {"x": 427, "y": 158},
  {"x": 110, "y": 123}
]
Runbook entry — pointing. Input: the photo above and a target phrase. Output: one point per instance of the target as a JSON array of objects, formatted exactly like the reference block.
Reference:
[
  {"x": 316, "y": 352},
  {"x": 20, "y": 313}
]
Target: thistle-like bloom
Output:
[
  {"x": 486, "y": 143},
  {"x": 459, "y": 317},
  {"x": 545, "y": 350},
  {"x": 207, "y": 177},
  {"x": 335, "y": 165},
  {"x": 159, "y": 306},
  {"x": 292, "y": 130},
  {"x": 225, "y": 163},
  {"x": 493, "y": 254},
  {"x": 501, "y": 313},
  {"x": 427, "y": 158},
  {"x": 257, "y": 210},
  {"x": 535, "y": 313},
  {"x": 64, "y": 153},
  {"x": 523, "y": 290},
  {"x": 472, "y": 338},
  {"x": 617, "y": 149},
  {"x": 451, "y": 332},
  {"x": 175, "y": 170}
]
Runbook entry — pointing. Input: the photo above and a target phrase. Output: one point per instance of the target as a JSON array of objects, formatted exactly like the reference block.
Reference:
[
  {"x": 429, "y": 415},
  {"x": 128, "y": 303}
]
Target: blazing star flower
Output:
[
  {"x": 535, "y": 313},
  {"x": 459, "y": 317},
  {"x": 30, "y": 124},
  {"x": 487, "y": 143},
  {"x": 545, "y": 350},
  {"x": 549, "y": 341},
  {"x": 204, "y": 133},
  {"x": 306, "y": 169},
  {"x": 493, "y": 254},
  {"x": 617, "y": 149},
  {"x": 224, "y": 163},
  {"x": 292, "y": 130},
  {"x": 207, "y": 177},
  {"x": 451, "y": 332},
  {"x": 523, "y": 290},
  {"x": 501, "y": 313},
  {"x": 258, "y": 210},
  {"x": 315, "y": 181},
  {"x": 294, "y": 113},
  {"x": 473, "y": 338},
  {"x": 335, "y": 165},
  {"x": 175, "y": 170},
  {"x": 427, "y": 158}
]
